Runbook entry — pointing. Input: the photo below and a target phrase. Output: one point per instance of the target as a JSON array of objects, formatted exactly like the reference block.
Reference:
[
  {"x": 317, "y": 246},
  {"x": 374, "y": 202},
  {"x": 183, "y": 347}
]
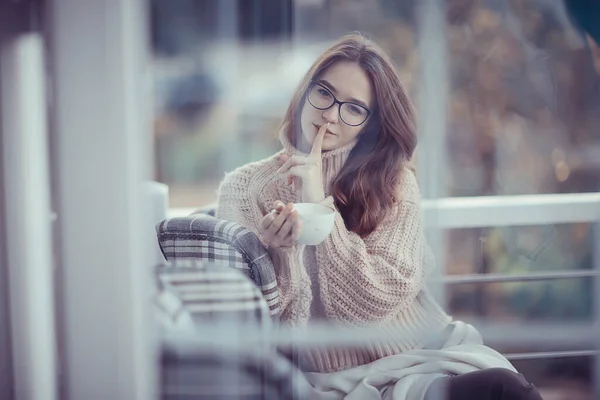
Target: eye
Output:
[
  {"x": 323, "y": 92},
  {"x": 356, "y": 110}
]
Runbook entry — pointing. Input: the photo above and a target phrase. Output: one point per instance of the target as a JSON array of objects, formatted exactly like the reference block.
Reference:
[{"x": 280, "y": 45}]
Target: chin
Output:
[{"x": 329, "y": 144}]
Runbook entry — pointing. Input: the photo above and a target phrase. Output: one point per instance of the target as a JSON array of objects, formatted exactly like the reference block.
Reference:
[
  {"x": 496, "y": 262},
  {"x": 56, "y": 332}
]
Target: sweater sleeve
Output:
[
  {"x": 372, "y": 279},
  {"x": 293, "y": 282},
  {"x": 234, "y": 202},
  {"x": 238, "y": 203}
]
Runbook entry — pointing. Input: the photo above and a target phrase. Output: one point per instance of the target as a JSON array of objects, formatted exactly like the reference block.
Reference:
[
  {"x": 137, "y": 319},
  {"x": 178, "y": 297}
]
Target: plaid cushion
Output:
[
  {"x": 219, "y": 373},
  {"x": 202, "y": 237},
  {"x": 208, "y": 293},
  {"x": 170, "y": 311}
]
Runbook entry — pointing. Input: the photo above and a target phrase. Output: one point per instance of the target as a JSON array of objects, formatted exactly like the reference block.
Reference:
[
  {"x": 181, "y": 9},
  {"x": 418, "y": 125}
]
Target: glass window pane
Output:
[
  {"x": 523, "y": 111},
  {"x": 224, "y": 72},
  {"x": 559, "y": 300},
  {"x": 519, "y": 250},
  {"x": 524, "y": 106}
]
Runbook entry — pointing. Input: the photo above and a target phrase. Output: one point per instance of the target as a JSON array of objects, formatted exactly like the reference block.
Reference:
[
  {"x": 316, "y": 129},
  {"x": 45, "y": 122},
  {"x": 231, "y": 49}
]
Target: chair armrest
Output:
[
  {"x": 203, "y": 237},
  {"x": 193, "y": 294}
]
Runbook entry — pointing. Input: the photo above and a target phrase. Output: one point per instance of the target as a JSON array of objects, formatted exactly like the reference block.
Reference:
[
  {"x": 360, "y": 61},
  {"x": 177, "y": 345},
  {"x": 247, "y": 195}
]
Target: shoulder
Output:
[
  {"x": 242, "y": 178},
  {"x": 407, "y": 207},
  {"x": 408, "y": 187}
]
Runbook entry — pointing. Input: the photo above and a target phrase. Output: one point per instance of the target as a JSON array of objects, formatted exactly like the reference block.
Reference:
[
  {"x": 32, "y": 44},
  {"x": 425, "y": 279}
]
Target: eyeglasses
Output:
[{"x": 321, "y": 98}]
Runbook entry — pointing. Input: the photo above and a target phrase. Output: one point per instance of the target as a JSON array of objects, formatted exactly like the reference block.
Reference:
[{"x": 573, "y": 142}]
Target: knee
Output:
[
  {"x": 505, "y": 376},
  {"x": 511, "y": 384}
]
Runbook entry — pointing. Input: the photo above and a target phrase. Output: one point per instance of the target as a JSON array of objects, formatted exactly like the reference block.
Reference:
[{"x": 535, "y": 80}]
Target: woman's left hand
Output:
[{"x": 307, "y": 170}]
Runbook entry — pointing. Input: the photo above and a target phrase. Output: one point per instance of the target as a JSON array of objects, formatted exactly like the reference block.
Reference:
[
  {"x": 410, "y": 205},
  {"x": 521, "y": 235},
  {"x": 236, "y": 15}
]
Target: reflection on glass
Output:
[
  {"x": 518, "y": 250},
  {"x": 522, "y": 101},
  {"x": 521, "y": 116},
  {"x": 552, "y": 300}
]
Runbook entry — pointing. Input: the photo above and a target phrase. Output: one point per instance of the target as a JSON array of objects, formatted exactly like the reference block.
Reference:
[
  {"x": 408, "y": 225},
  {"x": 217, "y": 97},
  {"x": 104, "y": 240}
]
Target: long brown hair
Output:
[{"x": 366, "y": 187}]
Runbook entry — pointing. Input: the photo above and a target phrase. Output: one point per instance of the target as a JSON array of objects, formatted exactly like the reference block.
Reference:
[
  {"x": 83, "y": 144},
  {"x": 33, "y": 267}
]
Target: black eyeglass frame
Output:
[{"x": 336, "y": 101}]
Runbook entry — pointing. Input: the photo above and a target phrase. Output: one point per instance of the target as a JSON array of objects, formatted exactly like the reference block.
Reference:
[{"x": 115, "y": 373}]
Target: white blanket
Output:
[{"x": 407, "y": 376}]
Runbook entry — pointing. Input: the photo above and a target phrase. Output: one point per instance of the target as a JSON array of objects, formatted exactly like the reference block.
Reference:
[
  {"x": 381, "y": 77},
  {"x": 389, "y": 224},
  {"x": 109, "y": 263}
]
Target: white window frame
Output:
[
  {"x": 99, "y": 75},
  {"x": 27, "y": 221}
]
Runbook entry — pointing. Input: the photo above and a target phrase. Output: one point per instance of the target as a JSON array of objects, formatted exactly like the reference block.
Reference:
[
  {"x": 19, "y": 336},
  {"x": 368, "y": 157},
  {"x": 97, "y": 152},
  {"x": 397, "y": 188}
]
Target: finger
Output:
[
  {"x": 299, "y": 171},
  {"x": 292, "y": 161},
  {"x": 288, "y": 241},
  {"x": 297, "y": 228},
  {"x": 283, "y": 157},
  {"x": 296, "y": 183},
  {"x": 286, "y": 229},
  {"x": 268, "y": 219},
  {"x": 288, "y": 210},
  {"x": 317, "y": 146},
  {"x": 278, "y": 205},
  {"x": 266, "y": 222},
  {"x": 276, "y": 224},
  {"x": 295, "y": 217},
  {"x": 286, "y": 233}
]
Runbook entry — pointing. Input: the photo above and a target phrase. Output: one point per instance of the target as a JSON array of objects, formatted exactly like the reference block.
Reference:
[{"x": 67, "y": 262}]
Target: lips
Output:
[{"x": 326, "y": 133}]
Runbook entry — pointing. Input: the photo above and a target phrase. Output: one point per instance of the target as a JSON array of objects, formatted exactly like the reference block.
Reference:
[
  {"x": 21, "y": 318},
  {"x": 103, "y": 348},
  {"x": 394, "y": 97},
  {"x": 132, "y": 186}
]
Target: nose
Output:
[{"x": 332, "y": 114}]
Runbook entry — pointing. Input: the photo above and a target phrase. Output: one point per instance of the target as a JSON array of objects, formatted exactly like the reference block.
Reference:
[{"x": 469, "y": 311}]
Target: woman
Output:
[{"x": 348, "y": 137}]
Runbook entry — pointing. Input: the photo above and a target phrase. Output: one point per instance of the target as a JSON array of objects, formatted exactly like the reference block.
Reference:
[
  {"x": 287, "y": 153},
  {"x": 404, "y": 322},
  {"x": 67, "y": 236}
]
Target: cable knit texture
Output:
[{"x": 376, "y": 281}]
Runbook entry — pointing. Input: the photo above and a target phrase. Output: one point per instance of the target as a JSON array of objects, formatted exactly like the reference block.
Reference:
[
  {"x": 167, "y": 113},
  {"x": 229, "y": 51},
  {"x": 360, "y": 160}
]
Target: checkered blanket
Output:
[
  {"x": 228, "y": 374},
  {"x": 194, "y": 298},
  {"x": 192, "y": 293},
  {"x": 203, "y": 237}
]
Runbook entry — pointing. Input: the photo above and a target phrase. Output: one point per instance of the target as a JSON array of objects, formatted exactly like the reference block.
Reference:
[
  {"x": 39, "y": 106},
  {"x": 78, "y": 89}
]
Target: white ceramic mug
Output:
[{"x": 317, "y": 222}]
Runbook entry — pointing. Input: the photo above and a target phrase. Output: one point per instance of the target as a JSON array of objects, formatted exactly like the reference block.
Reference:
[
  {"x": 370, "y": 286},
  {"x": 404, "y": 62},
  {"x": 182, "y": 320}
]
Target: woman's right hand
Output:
[{"x": 281, "y": 227}]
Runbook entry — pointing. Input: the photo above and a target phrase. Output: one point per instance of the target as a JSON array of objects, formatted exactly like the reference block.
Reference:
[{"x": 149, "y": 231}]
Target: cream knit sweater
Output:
[{"x": 376, "y": 281}]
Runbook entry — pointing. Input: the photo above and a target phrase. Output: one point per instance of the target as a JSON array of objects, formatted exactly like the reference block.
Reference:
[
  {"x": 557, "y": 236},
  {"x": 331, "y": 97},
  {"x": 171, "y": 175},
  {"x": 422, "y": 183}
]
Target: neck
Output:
[{"x": 332, "y": 160}]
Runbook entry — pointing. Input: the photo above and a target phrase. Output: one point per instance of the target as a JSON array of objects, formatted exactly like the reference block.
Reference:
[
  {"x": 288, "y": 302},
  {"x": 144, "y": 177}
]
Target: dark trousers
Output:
[{"x": 487, "y": 384}]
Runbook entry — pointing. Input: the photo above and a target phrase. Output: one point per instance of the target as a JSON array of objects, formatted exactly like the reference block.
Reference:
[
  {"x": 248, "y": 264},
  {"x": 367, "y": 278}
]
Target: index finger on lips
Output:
[{"x": 317, "y": 146}]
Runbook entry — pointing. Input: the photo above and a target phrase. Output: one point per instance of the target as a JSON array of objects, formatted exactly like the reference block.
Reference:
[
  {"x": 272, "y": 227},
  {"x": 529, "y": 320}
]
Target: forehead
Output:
[{"x": 350, "y": 81}]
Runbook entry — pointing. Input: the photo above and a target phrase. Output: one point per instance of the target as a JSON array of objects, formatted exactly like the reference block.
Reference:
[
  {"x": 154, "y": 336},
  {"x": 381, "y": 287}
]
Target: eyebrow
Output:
[{"x": 334, "y": 90}]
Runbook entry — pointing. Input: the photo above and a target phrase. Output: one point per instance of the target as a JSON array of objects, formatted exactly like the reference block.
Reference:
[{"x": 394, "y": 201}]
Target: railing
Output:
[
  {"x": 495, "y": 211},
  {"x": 491, "y": 211}
]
